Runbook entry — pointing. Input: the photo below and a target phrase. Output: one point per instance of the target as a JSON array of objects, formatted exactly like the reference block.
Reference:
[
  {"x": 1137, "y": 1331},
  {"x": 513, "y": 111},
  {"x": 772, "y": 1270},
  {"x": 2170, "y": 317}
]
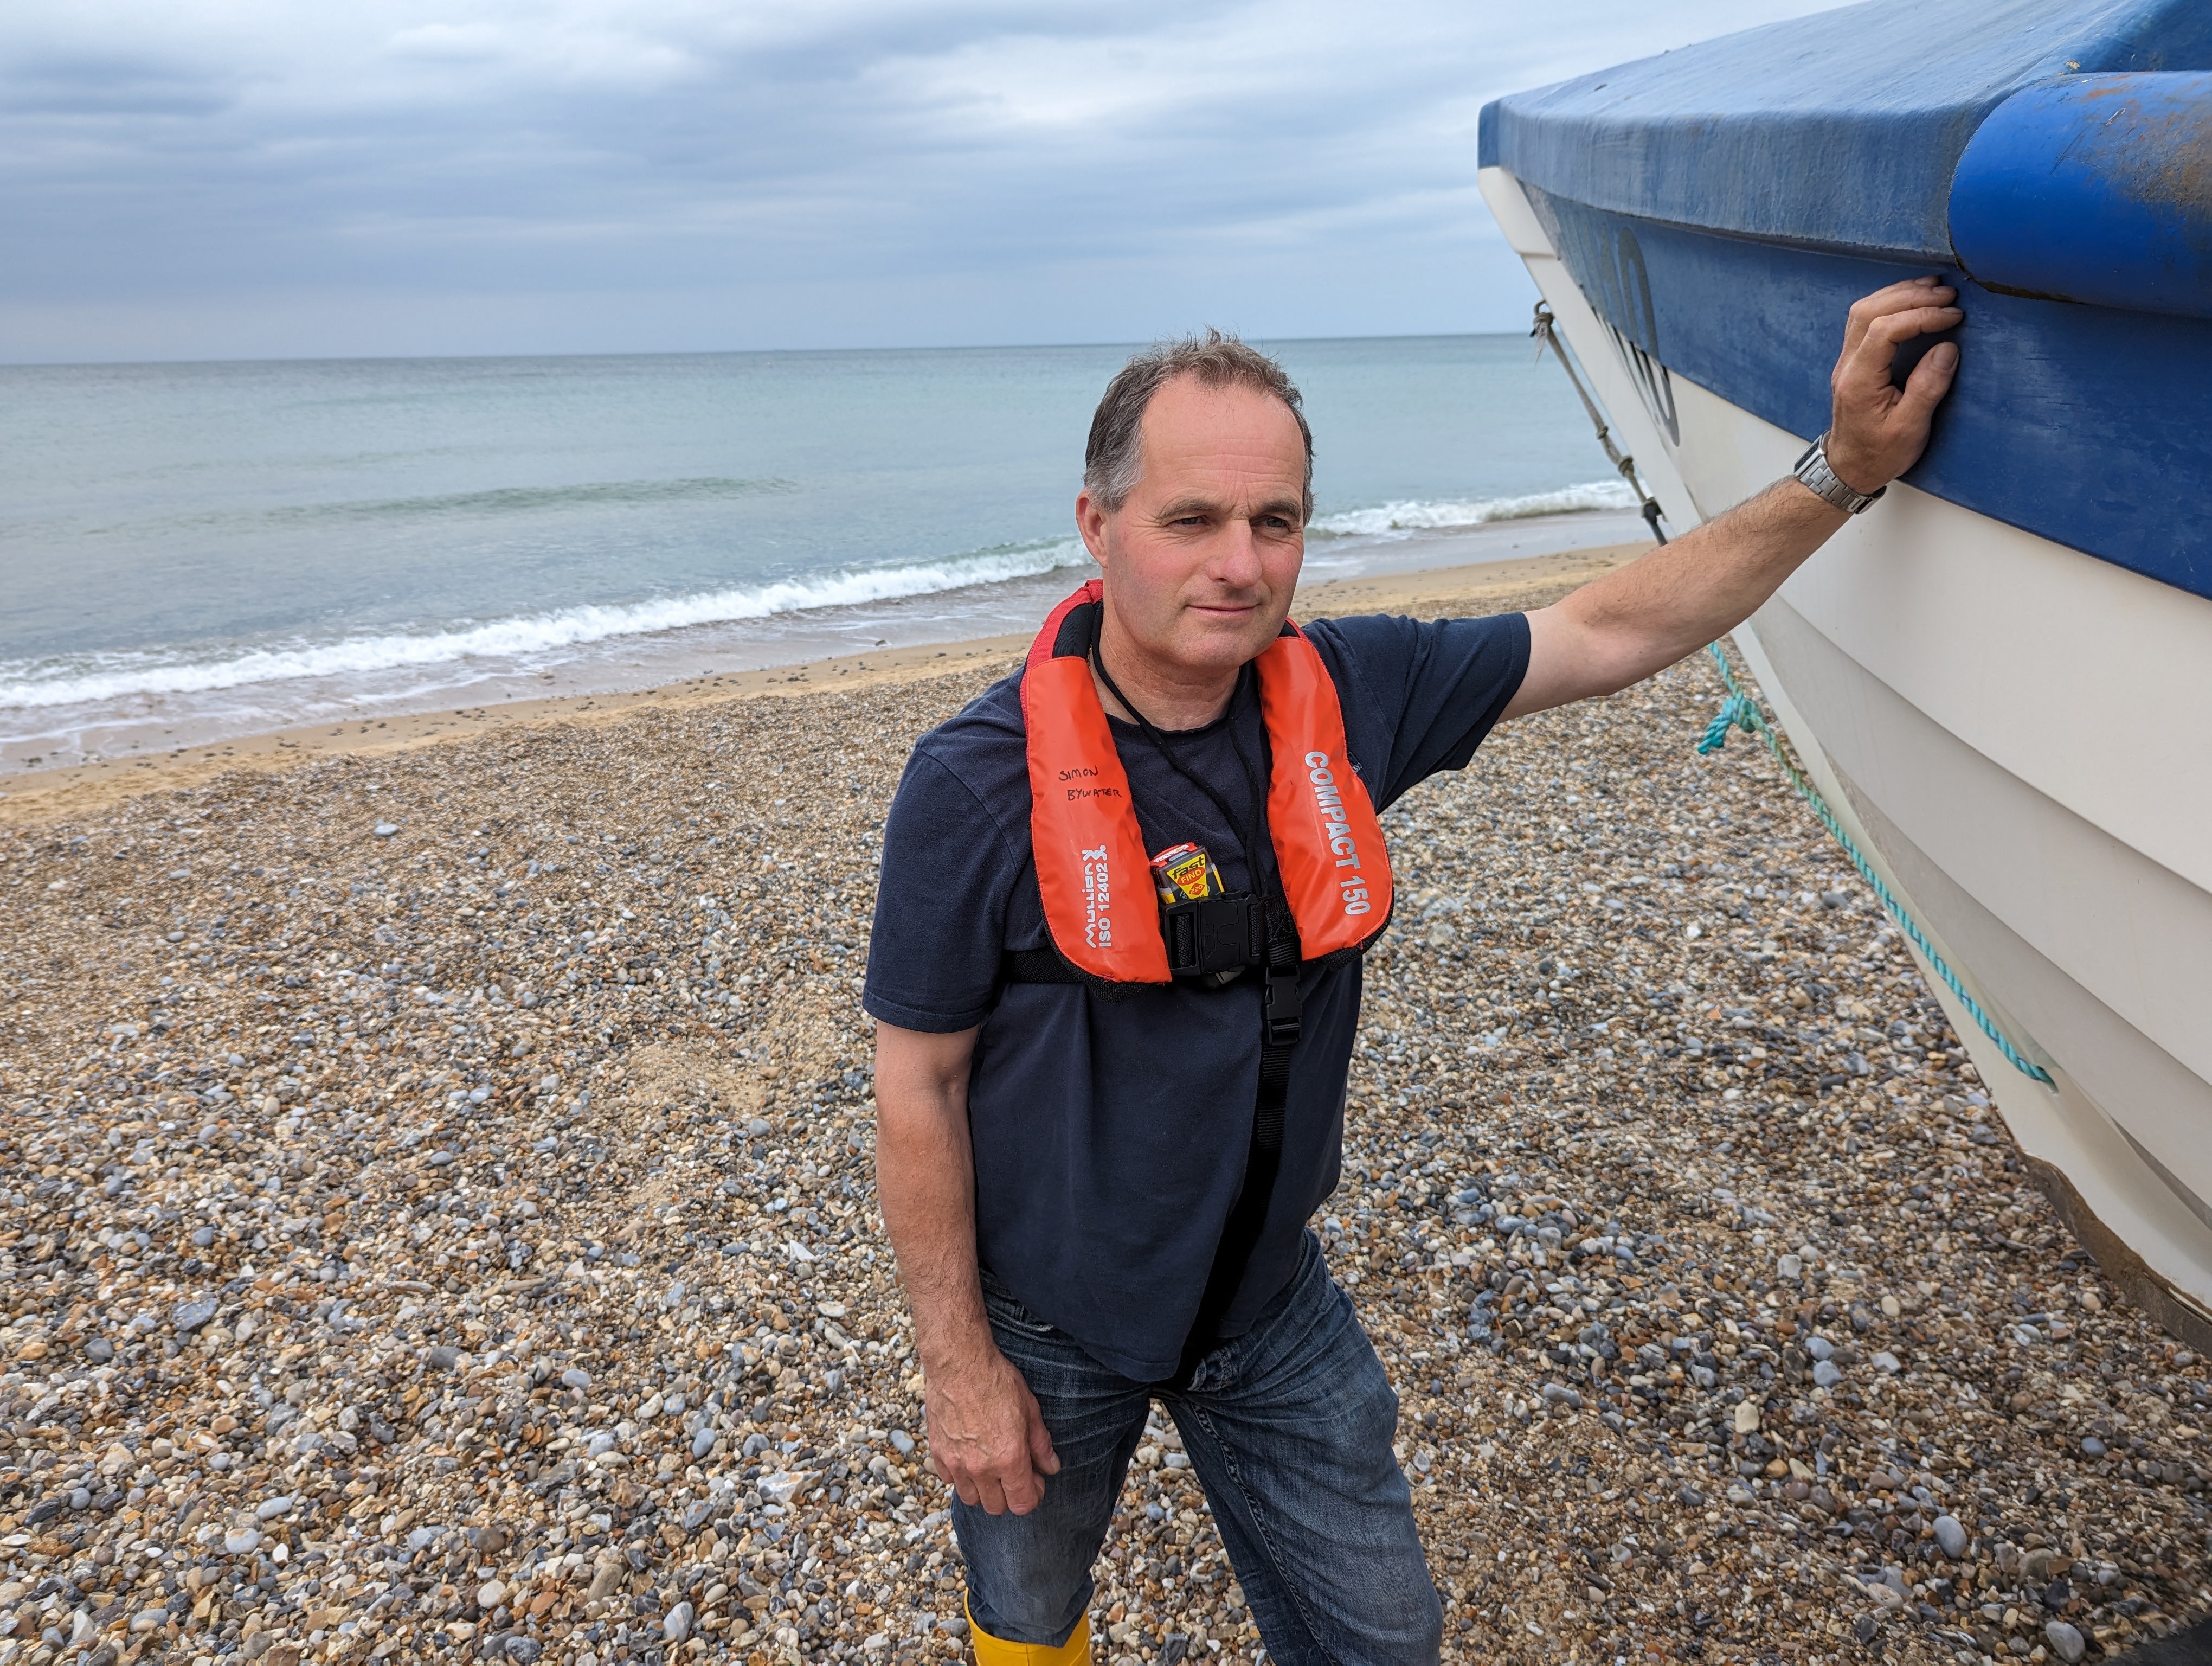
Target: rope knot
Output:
[{"x": 1736, "y": 712}]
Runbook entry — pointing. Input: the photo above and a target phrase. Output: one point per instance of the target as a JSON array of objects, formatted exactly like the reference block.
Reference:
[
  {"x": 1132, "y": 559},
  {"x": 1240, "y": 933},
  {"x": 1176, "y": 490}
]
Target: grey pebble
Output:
[
  {"x": 524, "y": 1649},
  {"x": 2092, "y": 1447},
  {"x": 100, "y": 1350},
  {"x": 757, "y": 1127},
  {"x": 1820, "y": 1348},
  {"x": 190, "y": 1316},
  {"x": 80, "y": 1498},
  {"x": 445, "y": 1358},
  {"x": 1558, "y": 1393},
  {"x": 384, "y": 829},
  {"x": 1826, "y": 1373},
  {"x": 677, "y": 1626},
  {"x": 241, "y": 1541},
  {"x": 1951, "y": 1536},
  {"x": 2065, "y": 1642},
  {"x": 702, "y": 1443},
  {"x": 1689, "y": 1498},
  {"x": 573, "y": 1378},
  {"x": 1889, "y": 1362}
]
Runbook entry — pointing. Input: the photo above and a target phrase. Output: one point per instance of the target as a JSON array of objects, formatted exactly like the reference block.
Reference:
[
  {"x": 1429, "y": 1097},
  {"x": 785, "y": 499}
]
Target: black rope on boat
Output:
[{"x": 1546, "y": 334}]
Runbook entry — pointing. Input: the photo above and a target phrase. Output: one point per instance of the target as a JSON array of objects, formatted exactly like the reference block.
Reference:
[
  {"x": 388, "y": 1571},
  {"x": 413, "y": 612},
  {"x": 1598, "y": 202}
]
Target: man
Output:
[{"x": 1104, "y": 1121}]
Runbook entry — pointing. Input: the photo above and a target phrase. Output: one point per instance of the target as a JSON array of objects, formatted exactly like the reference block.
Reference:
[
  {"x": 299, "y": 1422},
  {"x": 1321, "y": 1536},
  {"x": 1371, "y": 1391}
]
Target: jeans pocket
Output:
[{"x": 999, "y": 1302}]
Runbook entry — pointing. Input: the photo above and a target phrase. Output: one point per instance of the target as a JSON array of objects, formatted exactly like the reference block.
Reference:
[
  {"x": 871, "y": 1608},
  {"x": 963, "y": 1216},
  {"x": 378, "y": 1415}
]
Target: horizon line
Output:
[{"x": 703, "y": 353}]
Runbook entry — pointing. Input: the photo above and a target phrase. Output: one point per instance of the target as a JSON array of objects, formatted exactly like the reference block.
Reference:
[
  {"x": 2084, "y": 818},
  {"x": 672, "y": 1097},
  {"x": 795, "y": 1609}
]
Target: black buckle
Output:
[
  {"x": 1214, "y": 934},
  {"x": 1282, "y": 1009}
]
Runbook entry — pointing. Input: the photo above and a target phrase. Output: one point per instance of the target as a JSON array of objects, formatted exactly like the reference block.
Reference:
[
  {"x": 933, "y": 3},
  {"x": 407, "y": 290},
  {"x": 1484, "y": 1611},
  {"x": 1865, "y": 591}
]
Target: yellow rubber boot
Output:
[{"x": 997, "y": 1651}]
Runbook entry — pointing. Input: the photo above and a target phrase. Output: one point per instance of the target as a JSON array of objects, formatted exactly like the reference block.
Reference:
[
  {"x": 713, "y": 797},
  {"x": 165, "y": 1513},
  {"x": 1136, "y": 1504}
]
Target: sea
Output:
[{"x": 195, "y": 551}]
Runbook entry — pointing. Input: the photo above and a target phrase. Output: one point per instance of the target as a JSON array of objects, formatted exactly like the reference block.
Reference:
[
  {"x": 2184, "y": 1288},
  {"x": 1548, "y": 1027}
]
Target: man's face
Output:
[{"x": 1200, "y": 562}]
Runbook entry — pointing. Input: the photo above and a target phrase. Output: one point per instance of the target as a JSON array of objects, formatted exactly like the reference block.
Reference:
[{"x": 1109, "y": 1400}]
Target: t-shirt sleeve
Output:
[
  {"x": 940, "y": 905},
  {"x": 1435, "y": 688}
]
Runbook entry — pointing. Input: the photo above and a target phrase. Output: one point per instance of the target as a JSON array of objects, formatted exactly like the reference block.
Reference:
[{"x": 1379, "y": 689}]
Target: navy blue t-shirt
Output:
[{"x": 1110, "y": 1135}]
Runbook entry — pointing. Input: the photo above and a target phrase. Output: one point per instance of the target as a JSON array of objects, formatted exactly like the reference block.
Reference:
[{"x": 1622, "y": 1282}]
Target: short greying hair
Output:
[{"x": 1114, "y": 459}]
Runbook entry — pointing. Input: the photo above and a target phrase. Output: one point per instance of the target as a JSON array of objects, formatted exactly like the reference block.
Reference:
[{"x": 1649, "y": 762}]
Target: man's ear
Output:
[{"x": 1090, "y": 518}]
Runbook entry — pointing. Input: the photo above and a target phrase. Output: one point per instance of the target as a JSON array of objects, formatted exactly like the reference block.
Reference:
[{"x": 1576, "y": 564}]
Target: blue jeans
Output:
[{"x": 1288, "y": 1429}]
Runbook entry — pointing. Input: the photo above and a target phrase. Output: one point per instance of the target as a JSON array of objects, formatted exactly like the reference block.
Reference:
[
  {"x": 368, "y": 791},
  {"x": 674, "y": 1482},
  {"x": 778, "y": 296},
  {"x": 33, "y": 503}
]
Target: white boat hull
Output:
[{"x": 2018, "y": 736}]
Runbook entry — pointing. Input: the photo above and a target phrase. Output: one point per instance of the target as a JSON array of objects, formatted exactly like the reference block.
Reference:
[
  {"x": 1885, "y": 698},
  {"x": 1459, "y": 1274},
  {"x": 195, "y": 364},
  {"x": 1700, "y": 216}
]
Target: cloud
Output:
[{"x": 210, "y": 177}]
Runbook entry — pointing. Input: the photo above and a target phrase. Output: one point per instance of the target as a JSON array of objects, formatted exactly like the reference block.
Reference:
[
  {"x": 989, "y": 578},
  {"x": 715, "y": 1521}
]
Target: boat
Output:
[{"x": 2000, "y": 677}]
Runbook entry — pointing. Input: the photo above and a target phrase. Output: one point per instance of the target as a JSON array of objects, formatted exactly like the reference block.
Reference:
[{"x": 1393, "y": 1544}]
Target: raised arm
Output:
[
  {"x": 987, "y": 1436},
  {"x": 1620, "y": 629}
]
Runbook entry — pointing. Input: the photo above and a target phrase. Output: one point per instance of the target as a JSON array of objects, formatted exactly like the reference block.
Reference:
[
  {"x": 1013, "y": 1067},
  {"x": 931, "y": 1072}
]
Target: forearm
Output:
[
  {"x": 987, "y": 1436},
  {"x": 926, "y": 1181},
  {"x": 1644, "y": 616},
  {"x": 1684, "y": 594}
]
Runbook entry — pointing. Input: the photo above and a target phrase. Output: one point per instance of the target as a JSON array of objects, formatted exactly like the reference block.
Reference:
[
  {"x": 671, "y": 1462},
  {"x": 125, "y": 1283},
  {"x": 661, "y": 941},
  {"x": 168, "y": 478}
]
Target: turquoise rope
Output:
[{"x": 1742, "y": 712}]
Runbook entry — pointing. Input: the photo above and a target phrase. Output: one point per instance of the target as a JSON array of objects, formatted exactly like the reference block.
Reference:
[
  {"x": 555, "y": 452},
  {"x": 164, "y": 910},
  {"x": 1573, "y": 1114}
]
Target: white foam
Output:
[
  {"x": 98, "y": 678},
  {"x": 1400, "y": 519}
]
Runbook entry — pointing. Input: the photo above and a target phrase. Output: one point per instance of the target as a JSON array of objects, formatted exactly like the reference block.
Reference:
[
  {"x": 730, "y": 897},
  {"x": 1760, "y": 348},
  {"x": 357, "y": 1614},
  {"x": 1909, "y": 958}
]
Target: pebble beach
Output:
[{"x": 437, "y": 1220}]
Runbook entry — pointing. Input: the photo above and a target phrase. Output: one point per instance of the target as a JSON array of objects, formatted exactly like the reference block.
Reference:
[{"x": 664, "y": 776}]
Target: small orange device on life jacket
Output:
[{"x": 1099, "y": 900}]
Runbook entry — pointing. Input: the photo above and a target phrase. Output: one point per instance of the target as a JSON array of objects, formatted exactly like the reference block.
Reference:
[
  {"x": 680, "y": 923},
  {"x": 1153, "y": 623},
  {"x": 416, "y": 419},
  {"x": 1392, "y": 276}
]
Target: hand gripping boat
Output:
[{"x": 2000, "y": 677}]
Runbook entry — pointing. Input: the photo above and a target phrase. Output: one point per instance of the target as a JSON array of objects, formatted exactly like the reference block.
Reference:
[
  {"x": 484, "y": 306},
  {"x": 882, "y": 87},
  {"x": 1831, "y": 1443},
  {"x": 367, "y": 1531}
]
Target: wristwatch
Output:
[{"x": 1813, "y": 469}]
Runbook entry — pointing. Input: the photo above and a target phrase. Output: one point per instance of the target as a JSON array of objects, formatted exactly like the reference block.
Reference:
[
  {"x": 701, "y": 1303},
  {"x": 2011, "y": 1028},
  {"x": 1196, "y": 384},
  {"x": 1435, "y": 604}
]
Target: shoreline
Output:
[
  {"x": 622, "y": 650},
  {"x": 45, "y": 795}
]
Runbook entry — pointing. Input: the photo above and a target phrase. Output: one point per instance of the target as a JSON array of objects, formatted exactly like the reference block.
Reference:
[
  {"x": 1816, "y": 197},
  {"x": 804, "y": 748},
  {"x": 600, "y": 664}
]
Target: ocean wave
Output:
[
  {"x": 513, "y": 500},
  {"x": 98, "y": 678},
  {"x": 1435, "y": 516}
]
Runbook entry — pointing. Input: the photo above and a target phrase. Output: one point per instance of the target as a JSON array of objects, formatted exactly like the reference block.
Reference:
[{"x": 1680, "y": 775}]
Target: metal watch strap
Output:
[{"x": 1824, "y": 482}]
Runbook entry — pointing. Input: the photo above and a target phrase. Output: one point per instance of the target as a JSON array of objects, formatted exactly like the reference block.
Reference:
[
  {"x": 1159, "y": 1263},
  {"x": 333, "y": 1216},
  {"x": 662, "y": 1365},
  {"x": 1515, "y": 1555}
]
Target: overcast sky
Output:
[{"x": 215, "y": 178}]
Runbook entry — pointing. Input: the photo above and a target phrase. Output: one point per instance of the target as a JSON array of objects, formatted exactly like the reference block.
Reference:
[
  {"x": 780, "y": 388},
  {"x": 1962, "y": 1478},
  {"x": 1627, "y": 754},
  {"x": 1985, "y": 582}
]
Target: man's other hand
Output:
[
  {"x": 987, "y": 1436},
  {"x": 1879, "y": 429}
]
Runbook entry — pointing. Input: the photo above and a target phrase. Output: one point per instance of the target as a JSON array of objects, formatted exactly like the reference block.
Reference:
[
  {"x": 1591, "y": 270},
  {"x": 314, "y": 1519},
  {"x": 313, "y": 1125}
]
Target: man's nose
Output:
[{"x": 1237, "y": 557}]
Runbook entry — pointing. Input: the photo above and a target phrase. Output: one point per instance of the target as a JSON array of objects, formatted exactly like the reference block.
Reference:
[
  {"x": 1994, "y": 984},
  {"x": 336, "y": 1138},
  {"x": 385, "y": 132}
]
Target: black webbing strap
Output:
[
  {"x": 1240, "y": 1234},
  {"x": 1036, "y": 966}
]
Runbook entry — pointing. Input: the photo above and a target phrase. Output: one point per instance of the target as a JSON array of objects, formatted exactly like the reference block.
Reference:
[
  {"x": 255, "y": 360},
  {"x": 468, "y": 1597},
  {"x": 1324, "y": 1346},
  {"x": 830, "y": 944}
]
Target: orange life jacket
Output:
[{"x": 1099, "y": 902}]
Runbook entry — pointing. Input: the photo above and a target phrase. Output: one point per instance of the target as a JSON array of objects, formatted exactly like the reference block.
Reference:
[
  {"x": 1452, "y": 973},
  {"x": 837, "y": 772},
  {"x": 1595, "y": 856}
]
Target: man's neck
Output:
[{"x": 1171, "y": 697}]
